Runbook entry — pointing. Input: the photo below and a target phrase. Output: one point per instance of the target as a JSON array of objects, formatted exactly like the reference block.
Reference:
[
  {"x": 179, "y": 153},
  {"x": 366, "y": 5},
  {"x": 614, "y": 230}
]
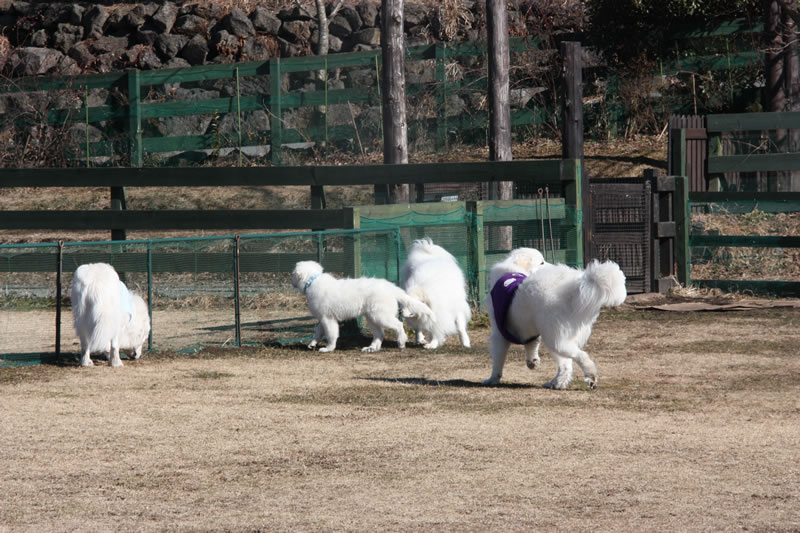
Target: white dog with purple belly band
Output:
[{"x": 554, "y": 304}]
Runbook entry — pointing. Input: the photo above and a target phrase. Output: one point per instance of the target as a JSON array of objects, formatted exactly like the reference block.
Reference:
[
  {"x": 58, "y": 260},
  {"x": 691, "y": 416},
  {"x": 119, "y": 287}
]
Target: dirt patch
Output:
[{"x": 688, "y": 431}]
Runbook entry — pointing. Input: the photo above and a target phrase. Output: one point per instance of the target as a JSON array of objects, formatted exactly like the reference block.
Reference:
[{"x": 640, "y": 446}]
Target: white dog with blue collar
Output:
[{"x": 332, "y": 300}]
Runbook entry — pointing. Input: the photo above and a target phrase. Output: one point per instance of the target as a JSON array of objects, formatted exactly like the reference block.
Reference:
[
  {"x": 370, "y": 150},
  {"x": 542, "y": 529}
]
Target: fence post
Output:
[
  {"x": 677, "y": 152},
  {"x": 275, "y": 111},
  {"x": 440, "y": 53},
  {"x": 134, "y": 118},
  {"x": 352, "y": 247},
  {"x": 59, "y": 274},
  {"x": 150, "y": 292},
  {"x": 680, "y": 207},
  {"x": 476, "y": 255},
  {"x": 571, "y": 183},
  {"x": 236, "y": 299}
]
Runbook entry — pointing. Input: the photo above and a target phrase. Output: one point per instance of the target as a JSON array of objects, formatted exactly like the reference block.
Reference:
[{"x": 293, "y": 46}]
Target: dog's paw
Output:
[
  {"x": 326, "y": 349},
  {"x": 431, "y": 345},
  {"x": 592, "y": 382},
  {"x": 491, "y": 382},
  {"x": 369, "y": 349},
  {"x": 556, "y": 385},
  {"x": 534, "y": 363}
]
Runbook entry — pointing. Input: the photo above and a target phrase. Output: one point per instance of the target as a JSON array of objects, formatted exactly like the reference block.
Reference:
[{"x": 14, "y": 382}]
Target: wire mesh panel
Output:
[
  {"x": 621, "y": 228},
  {"x": 228, "y": 291},
  {"x": 27, "y": 303}
]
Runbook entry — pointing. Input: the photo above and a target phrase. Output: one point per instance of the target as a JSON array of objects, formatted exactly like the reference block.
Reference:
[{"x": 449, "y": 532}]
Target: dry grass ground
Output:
[{"x": 694, "y": 428}]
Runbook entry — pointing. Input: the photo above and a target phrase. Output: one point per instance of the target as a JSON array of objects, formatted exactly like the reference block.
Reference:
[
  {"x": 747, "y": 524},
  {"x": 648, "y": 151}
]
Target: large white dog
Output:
[
  {"x": 332, "y": 300},
  {"x": 432, "y": 275},
  {"x": 556, "y": 305},
  {"x": 107, "y": 316}
]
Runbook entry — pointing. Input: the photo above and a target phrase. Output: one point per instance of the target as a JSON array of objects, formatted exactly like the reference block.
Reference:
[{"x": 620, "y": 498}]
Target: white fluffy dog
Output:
[
  {"x": 107, "y": 316},
  {"x": 556, "y": 305},
  {"x": 432, "y": 275},
  {"x": 332, "y": 300}
]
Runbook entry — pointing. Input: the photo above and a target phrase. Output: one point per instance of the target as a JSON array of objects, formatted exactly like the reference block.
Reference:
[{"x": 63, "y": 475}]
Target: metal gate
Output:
[{"x": 619, "y": 228}]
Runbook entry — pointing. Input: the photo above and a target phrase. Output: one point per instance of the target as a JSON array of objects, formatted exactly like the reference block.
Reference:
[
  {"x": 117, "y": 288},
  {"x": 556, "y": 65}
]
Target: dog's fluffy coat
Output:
[
  {"x": 101, "y": 321},
  {"x": 432, "y": 275},
  {"x": 559, "y": 304},
  {"x": 332, "y": 300}
]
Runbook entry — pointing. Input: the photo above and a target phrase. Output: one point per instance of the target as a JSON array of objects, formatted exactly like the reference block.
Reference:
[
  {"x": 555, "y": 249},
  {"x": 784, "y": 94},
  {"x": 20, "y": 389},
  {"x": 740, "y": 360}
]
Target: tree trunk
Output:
[
  {"x": 499, "y": 108},
  {"x": 791, "y": 70},
  {"x": 393, "y": 93},
  {"x": 775, "y": 94}
]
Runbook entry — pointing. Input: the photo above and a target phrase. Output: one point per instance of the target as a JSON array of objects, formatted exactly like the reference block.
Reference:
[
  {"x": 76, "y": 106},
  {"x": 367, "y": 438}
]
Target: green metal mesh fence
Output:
[{"x": 235, "y": 290}]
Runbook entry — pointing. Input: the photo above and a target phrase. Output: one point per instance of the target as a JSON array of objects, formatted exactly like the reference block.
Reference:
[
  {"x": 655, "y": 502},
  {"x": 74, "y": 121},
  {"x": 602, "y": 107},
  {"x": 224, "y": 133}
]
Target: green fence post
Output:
[
  {"x": 275, "y": 110},
  {"x": 680, "y": 207},
  {"x": 239, "y": 115},
  {"x": 441, "y": 83},
  {"x": 476, "y": 253},
  {"x": 352, "y": 246},
  {"x": 134, "y": 118}
]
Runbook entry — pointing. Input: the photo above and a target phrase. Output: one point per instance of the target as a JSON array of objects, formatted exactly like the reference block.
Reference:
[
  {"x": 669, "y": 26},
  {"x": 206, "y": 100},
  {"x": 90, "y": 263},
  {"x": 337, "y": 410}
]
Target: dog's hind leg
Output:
[
  {"x": 86, "y": 356},
  {"x": 588, "y": 367},
  {"x": 532, "y": 353},
  {"x": 461, "y": 326},
  {"x": 113, "y": 355},
  {"x": 331, "y": 328},
  {"x": 498, "y": 349}
]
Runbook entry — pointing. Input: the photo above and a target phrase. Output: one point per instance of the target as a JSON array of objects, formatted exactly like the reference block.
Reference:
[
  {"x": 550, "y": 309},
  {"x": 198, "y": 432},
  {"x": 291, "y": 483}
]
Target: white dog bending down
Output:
[
  {"x": 432, "y": 275},
  {"x": 556, "y": 305},
  {"x": 332, "y": 300},
  {"x": 107, "y": 316}
]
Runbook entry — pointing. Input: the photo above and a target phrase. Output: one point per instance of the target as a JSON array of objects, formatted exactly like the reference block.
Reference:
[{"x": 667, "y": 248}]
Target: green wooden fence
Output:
[{"x": 133, "y": 85}]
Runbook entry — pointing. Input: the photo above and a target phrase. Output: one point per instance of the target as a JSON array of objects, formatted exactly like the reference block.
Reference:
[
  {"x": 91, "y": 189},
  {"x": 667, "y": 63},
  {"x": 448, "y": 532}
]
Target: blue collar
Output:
[{"x": 309, "y": 282}]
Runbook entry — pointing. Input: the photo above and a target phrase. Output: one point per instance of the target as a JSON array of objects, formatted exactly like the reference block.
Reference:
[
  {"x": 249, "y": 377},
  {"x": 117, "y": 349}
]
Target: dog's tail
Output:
[
  {"x": 416, "y": 308},
  {"x": 602, "y": 285},
  {"x": 426, "y": 245}
]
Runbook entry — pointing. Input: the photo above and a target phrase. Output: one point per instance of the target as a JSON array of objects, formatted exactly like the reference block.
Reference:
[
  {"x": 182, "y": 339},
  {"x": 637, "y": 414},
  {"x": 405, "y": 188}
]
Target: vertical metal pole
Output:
[
  {"x": 318, "y": 238},
  {"x": 236, "y": 291},
  {"x": 398, "y": 241},
  {"x": 150, "y": 292},
  {"x": 59, "y": 274}
]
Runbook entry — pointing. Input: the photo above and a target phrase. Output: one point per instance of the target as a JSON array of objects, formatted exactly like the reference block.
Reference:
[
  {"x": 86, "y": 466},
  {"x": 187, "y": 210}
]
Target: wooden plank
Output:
[
  {"x": 753, "y": 163},
  {"x": 534, "y": 171},
  {"x": 783, "y": 289},
  {"x": 153, "y": 220},
  {"x": 747, "y": 241},
  {"x": 724, "y": 196},
  {"x": 753, "y": 121}
]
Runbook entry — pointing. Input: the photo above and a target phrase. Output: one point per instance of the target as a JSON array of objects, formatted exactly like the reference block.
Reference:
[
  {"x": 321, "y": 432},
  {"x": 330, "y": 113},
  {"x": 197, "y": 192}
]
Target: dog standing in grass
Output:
[
  {"x": 432, "y": 275},
  {"x": 107, "y": 316},
  {"x": 332, "y": 300},
  {"x": 556, "y": 305}
]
